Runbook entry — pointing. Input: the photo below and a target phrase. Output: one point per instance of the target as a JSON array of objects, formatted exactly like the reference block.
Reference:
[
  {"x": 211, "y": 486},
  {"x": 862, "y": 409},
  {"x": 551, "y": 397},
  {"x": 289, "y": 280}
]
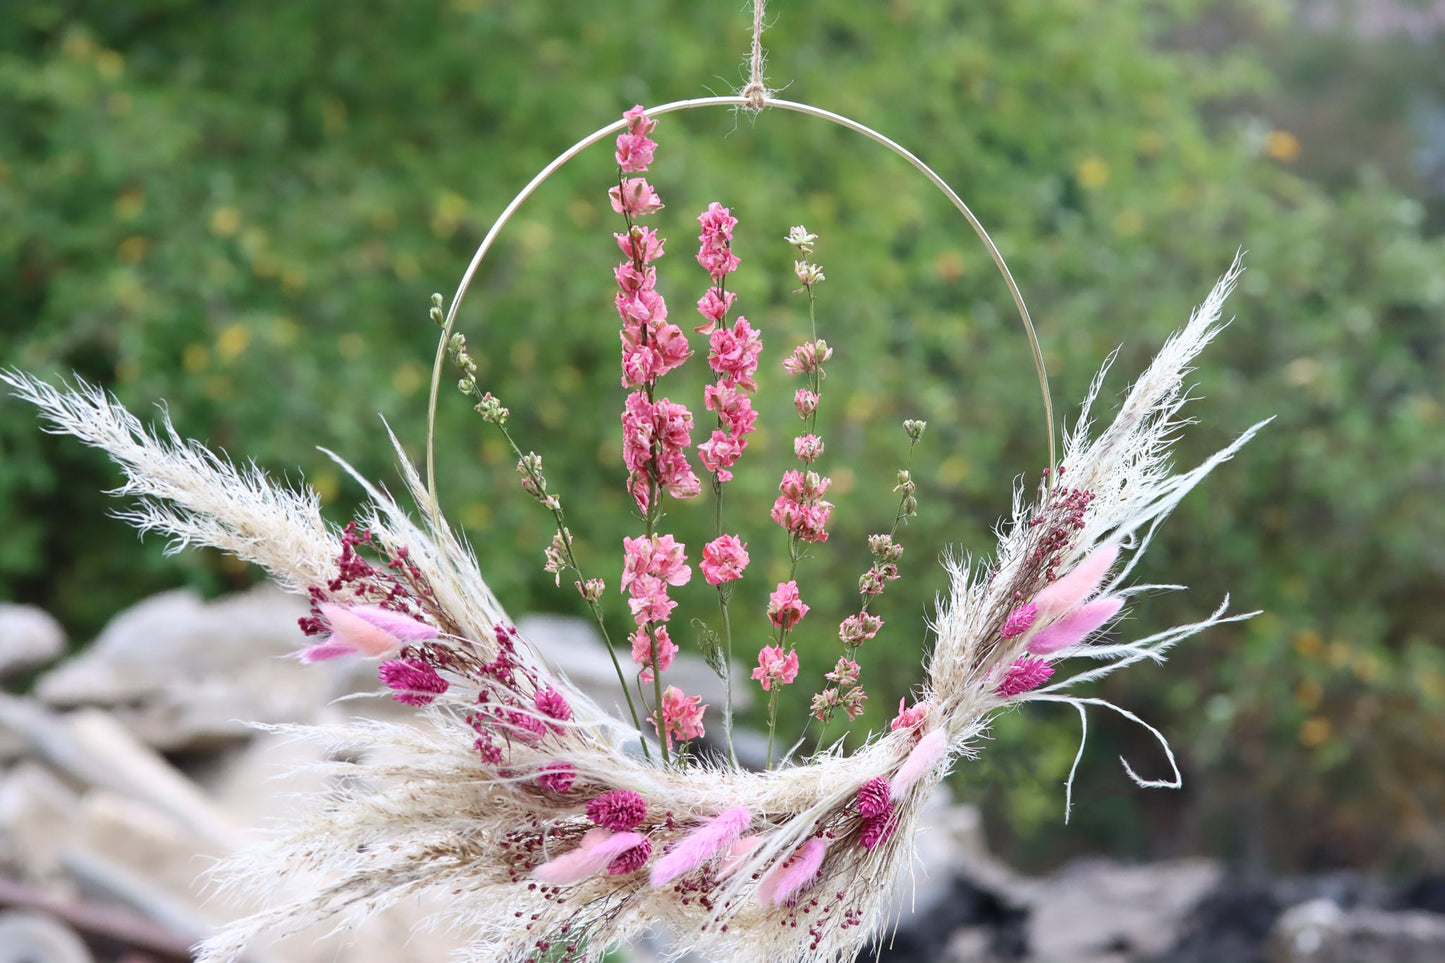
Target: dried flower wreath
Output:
[{"x": 555, "y": 830}]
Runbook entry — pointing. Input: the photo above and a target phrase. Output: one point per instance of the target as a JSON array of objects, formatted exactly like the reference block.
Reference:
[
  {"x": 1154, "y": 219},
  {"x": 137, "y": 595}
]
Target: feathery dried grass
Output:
[{"x": 422, "y": 810}]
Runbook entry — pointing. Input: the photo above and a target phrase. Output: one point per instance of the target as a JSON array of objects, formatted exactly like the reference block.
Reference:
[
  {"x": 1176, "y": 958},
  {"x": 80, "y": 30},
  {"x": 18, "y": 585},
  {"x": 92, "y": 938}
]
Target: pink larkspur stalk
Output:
[
  {"x": 785, "y": 607},
  {"x": 776, "y": 667},
  {"x": 642, "y": 649},
  {"x": 911, "y": 718},
  {"x": 681, "y": 716},
  {"x": 724, "y": 559},
  {"x": 634, "y": 147}
]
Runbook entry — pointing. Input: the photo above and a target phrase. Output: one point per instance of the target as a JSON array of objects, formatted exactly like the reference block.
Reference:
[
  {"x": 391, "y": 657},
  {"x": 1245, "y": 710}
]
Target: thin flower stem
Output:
[
  {"x": 850, "y": 651},
  {"x": 727, "y": 674},
  {"x": 561, "y": 520}
]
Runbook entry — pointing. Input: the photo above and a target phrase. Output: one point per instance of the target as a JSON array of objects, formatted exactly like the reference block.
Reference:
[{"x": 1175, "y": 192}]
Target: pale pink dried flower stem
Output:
[
  {"x": 656, "y": 433},
  {"x": 733, "y": 356},
  {"x": 862, "y": 626}
]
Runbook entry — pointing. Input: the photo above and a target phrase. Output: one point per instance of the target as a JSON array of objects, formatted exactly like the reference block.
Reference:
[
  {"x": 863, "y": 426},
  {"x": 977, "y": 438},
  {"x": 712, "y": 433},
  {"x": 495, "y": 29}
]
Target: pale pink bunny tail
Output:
[
  {"x": 598, "y": 848},
  {"x": 927, "y": 754},
  {"x": 700, "y": 845},
  {"x": 792, "y": 874},
  {"x": 1075, "y": 627},
  {"x": 350, "y": 629},
  {"x": 1081, "y": 582},
  {"x": 738, "y": 854},
  {"x": 326, "y": 650},
  {"x": 404, "y": 627}
]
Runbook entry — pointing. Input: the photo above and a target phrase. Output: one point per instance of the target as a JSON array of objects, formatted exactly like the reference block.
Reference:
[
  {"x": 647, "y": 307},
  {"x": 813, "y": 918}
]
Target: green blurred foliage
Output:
[{"x": 242, "y": 209}]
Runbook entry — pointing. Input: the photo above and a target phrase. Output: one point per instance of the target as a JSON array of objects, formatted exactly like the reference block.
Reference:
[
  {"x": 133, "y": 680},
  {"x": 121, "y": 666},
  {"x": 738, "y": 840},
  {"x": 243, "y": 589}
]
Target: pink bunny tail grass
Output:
[
  {"x": 597, "y": 849},
  {"x": 928, "y": 753},
  {"x": 738, "y": 854},
  {"x": 700, "y": 845},
  {"x": 404, "y": 627},
  {"x": 350, "y": 631},
  {"x": 787, "y": 878},
  {"x": 326, "y": 650},
  {"x": 1075, "y": 627},
  {"x": 1081, "y": 582}
]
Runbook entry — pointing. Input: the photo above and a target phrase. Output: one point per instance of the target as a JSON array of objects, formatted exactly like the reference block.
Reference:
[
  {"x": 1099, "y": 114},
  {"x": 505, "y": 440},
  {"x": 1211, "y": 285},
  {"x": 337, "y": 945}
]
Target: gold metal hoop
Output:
[{"x": 742, "y": 103}]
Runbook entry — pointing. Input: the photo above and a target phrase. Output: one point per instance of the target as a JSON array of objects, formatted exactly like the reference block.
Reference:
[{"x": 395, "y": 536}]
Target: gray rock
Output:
[
  {"x": 182, "y": 673},
  {"x": 1319, "y": 931},
  {"x": 37, "y": 812},
  {"x": 96, "y": 751},
  {"x": 30, "y": 937},
  {"x": 28, "y": 637},
  {"x": 1102, "y": 911}
]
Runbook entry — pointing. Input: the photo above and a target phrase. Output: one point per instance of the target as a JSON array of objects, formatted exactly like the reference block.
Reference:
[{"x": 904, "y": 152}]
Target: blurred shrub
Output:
[{"x": 242, "y": 209}]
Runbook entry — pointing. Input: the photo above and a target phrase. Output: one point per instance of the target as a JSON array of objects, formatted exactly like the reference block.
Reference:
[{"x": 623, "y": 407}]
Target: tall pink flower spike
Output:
[
  {"x": 598, "y": 848},
  {"x": 1075, "y": 627},
  {"x": 927, "y": 754},
  {"x": 1079, "y": 584},
  {"x": 793, "y": 873},
  {"x": 367, "y": 630},
  {"x": 702, "y": 844}
]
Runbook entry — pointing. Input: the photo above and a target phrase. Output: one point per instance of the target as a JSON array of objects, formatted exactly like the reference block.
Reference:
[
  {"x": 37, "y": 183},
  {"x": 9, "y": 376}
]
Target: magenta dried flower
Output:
[
  {"x": 416, "y": 683},
  {"x": 1019, "y": 621},
  {"x": 1026, "y": 674},
  {"x": 876, "y": 831},
  {"x": 874, "y": 798},
  {"x": 552, "y": 704},
  {"x": 557, "y": 777},
  {"x": 620, "y": 810},
  {"x": 632, "y": 860}
]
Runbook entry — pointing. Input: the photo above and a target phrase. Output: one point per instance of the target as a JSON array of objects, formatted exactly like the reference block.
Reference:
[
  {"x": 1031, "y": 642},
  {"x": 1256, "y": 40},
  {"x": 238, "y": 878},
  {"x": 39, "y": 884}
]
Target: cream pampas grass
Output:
[{"x": 529, "y": 810}]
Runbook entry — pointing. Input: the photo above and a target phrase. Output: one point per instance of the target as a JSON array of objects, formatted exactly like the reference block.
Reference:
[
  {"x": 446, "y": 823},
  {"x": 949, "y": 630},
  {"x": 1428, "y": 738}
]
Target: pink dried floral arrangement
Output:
[{"x": 556, "y": 830}]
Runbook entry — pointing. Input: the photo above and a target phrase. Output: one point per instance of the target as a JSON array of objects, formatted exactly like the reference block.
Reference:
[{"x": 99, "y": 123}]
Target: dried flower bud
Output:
[
  {"x": 492, "y": 411},
  {"x": 871, "y": 582},
  {"x": 534, "y": 483},
  {"x": 556, "y": 556},
  {"x": 801, "y": 239},
  {"x": 884, "y": 548},
  {"x": 824, "y": 703},
  {"x": 808, "y": 274},
  {"x": 859, "y": 628},
  {"x": 910, "y": 506},
  {"x": 807, "y": 447},
  {"x": 844, "y": 673},
  {"x": 592, "y": 589},
  {"x": 914, "y": 428},
  {"x": 805, "y": 401}
]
